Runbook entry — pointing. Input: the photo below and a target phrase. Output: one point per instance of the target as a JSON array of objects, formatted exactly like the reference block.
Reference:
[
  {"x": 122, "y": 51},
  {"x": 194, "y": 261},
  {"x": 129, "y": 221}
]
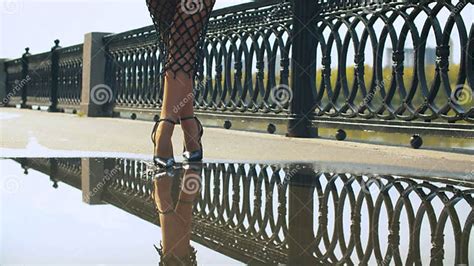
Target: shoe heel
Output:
[
  {"x": 162, "y": 162},
  {"x": 194, "y": 156}
]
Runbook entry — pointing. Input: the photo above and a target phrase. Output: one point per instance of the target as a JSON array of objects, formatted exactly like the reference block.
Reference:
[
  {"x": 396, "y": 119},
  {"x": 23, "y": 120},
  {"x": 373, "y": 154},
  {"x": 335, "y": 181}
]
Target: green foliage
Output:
[
  {"x": 368, "y": 73},
  {"x": 388, "y": 76}
]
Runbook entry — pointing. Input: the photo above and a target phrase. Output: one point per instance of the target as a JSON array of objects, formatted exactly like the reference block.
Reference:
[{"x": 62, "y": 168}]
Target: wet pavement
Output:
[
  {"x": 29, "y": 133},
  {"x": 119, "y": 210}
]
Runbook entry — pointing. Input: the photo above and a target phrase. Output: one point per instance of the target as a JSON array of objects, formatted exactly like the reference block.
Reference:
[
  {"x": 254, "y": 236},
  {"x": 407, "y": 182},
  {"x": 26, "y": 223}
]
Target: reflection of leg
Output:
[
  {"x": 177, "y": 236},
  {"x": 162, "y": 194},
  {"x": 177, "y": 88},
  {"x": 190, "y": 188},
  {"x": 176, "y": 241}
]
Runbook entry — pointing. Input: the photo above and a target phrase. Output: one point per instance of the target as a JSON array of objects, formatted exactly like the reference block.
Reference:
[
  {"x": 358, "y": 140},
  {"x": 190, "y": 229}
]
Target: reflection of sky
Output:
[
  {"x": 462, "y": 210},
  {"x": 39, "y": 224},
  {"x": 42, "y": 225}
]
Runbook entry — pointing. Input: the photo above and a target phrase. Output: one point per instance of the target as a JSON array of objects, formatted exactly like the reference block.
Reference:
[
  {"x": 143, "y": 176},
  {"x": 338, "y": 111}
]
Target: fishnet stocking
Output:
[{"x": 181, "y": 26}]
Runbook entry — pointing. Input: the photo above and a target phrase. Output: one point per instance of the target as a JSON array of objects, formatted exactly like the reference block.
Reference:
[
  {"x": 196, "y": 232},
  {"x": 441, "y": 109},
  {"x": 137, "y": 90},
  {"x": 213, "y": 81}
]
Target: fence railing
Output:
[
  {"x": 70, "y": 75},
  {"x": 363, "y": 62},
  {"x": 14, "y": 81},
  {"x": 46, "y": 79},
  {"x": 38, "y": 91},
  {"x": 296, "y": 213}
]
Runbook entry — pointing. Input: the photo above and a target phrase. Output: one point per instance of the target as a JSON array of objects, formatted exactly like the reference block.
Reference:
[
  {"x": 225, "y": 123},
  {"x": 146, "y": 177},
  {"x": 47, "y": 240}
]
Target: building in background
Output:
[{"x": 430, "y": 56}]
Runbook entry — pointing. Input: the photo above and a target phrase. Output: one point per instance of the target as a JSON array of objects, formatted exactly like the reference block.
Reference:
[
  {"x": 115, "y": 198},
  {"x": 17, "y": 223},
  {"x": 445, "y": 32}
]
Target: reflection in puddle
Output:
[
  {"x": 280, "y": 213},
  {"x": 174, "y": 195}
]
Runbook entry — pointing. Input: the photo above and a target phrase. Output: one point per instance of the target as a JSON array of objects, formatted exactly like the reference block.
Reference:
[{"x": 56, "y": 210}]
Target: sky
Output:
[
  {"x": 69, "y": 232},
  {"x": 37, "y": 23}
]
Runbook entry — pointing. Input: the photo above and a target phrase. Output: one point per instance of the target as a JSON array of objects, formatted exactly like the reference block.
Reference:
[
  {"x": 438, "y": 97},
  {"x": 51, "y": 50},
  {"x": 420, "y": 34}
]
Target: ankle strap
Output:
[
  {"x": 171, "y": 210},
  {"x": 155, "y": 127},
  {"x": 188, "y": 117},
  {"x": 168, "y": 120}
]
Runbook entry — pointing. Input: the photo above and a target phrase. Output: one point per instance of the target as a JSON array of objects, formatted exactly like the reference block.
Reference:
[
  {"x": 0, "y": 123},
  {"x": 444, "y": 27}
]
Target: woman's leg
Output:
[
  {"x": 186, "y": 37},
  {"x": 181, "y": 26},
  {"x": 162, "y": 13}
]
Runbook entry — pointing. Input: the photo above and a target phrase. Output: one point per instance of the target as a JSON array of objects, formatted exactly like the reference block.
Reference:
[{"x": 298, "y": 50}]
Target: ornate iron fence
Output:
[
  {"x": 229, "y": 81},
  {"x": 70, "y": 75},
  {"x": 46, "y": 79},
  {"x": 345, "y": 62},
  {"x": 424, "y": 90},
  {"x": 132, "y": 68},
  {"x": 267, "y": 213},
  {"x": 39, "y": 69},
  {"x": 14, "y": 81},
  {"x": 247, "y": 61}
]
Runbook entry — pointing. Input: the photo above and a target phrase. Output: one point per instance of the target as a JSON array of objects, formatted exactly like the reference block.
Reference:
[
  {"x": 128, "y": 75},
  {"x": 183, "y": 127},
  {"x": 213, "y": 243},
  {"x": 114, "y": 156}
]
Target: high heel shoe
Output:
[
  {"x": 161, "y": 161},
  {"x": 194, "y": 156}
]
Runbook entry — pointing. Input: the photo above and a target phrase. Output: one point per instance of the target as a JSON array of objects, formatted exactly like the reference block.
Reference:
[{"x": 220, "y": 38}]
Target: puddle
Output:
[
  {"x": 105, "y": 210},
  {"x": 8, "y": 116}
]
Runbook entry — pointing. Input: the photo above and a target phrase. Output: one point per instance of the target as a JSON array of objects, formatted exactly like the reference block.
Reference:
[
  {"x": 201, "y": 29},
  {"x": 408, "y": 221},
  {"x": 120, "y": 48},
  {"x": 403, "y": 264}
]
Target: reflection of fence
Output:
[
  {"x": 294, "y": 213},
  {"x": 66, "y": 170},
  {"x": 241, "y": 76}
]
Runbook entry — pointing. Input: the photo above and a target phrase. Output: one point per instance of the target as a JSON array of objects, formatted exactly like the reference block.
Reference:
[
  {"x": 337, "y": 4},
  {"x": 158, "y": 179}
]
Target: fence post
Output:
[
  {"x": 301, "y": 215},
  {"x": 95, "y": 174},
  {"x": 24, "y": 76},
  {"x": 3, "y": 82},
  {"x": 96, "y": 96},
  {"x": 303, "y": 69},
  {"x": 54, "y": 77}
]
